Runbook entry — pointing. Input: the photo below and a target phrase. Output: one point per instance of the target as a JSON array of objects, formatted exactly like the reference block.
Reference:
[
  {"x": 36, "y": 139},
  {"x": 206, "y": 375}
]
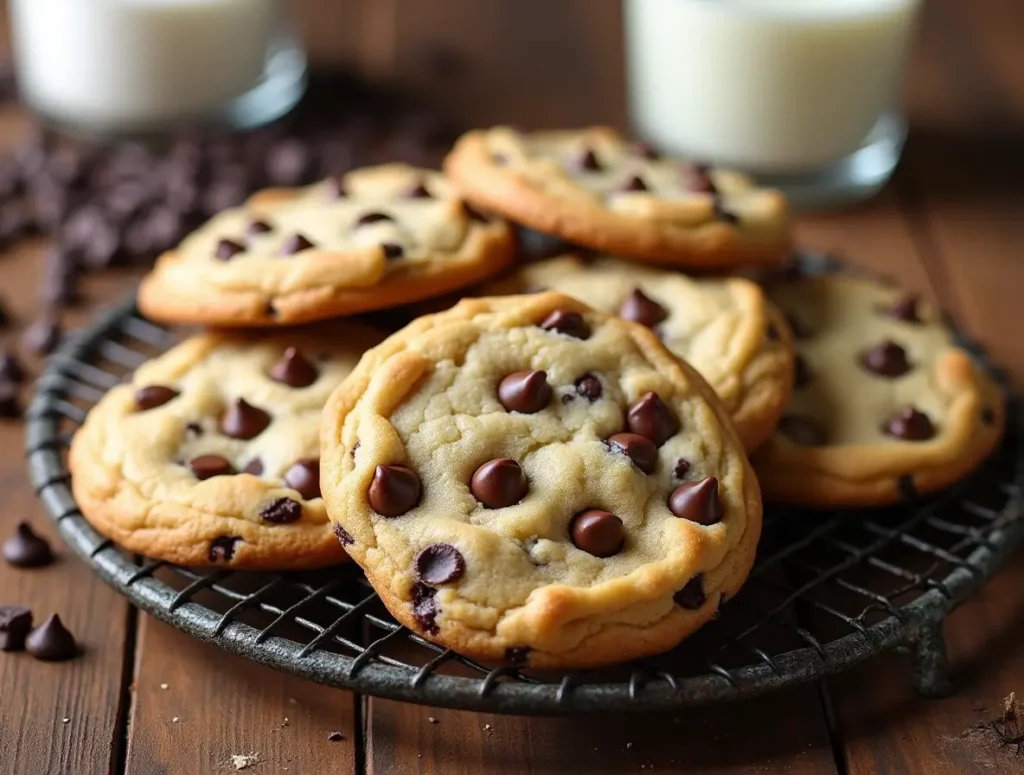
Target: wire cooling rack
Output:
[{"x": 829, "y": 590}]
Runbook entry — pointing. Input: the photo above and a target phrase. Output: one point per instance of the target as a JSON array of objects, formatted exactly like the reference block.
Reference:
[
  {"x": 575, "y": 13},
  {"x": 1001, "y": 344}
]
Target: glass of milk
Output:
[
  {"x": 128, "y": 66},
  {"x": 803, "y": 94}
]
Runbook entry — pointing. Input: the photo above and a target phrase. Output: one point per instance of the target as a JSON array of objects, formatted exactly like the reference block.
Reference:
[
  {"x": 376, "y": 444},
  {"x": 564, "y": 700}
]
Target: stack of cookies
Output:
[{"x": 554, "y": 472}]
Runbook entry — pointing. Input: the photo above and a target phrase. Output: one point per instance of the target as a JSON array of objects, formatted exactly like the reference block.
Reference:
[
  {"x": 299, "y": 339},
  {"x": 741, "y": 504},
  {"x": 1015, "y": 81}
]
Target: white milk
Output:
[
  {"x": 113, "y": 64},
  {"x": 775, "y": 86}
]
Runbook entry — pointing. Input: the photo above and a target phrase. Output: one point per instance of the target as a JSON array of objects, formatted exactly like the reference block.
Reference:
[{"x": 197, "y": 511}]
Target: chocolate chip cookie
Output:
[
  {"x": 527, "y": 479},
  {"x": 211, "y": 455},
  {"x": 725, "y": 329},
  {"x": 885, "y": 406},
  {"x": 377, "y": 238},
  {"x": 594, "y": 188}
]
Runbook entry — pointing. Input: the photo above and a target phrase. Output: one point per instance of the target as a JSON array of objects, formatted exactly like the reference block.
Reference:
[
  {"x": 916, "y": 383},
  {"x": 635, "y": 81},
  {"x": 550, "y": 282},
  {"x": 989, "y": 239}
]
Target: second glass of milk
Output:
[{"x": 802, "y": 93}]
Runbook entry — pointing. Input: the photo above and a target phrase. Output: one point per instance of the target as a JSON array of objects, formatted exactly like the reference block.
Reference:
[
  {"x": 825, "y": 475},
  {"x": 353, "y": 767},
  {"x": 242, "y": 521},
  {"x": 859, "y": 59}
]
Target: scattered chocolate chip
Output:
[
  {"x": 43, "y": 336},
  {"x": 25, "y": 549},
  {"x": 696, "y": 178},
  {"x": 227, "y": 249},
  {"x": 644, "y": 151},
  {"x": 152, "y": 396},
  {"x": 905, "y": 309},
  {"x": 296, "y": 243},
  {"x": 589, "y": 386},
  {"x": 697, "y": 501},
  {"x": 11, "y": 369},
  {"x": 906, "y": 487},
  {"x": 633, "y": 183},
  {"x": 519, "y": 656},
  {"x": 369, "y": 218},
  {"x": 637, "y": 448},
  {"x": 51, "y": 641},
  {"x": 392, "y": 250},
  {"x": 10, "y": 404},
  {"x": 473, "y": 214},
  {"x": 293, "y": 369},
  {"x": 563, "y": 321},
  {"x": 439, "y": 564},
  {"x": 801, "y": 372},
  {"x": 525, "y": 391},
  {"x": 887, "y": 359},
  {"x": 909, "y": 424},
  {"x": 254, "y": 467},
  {"x": 343, "y": 535},
  {"x": 681, "y": 468},
  {"x": 304, "y": 477},
  {"x": 642, "y": 309},
  {"x": 394, "y": 490},
  {"x": 499, "y": 483},
  {"x": 587, "y": 161},
  {"x": 424, "y": 608},
  {"x": 418, "y": 190},
  {"x": 194, "y": 429},
  {"x": 243, "y": 420},
  {"x": 692, "y": 595},
  {"x": 597, "y": 532},
  {"x": 15, "y": 625},
  {"x": 651, "y": 417},
  {"x": 257, "y": 226},
  {"x": 208, "y": 466},
  {"x": 988, "y": 415},
  {"x": 282, "y": 511},
  {"x": 802, "y": 430}
]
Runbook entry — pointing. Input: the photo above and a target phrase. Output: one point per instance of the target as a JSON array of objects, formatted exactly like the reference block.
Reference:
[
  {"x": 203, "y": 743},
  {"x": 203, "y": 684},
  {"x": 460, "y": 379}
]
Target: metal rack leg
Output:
[{"x": 931, "y": 666}]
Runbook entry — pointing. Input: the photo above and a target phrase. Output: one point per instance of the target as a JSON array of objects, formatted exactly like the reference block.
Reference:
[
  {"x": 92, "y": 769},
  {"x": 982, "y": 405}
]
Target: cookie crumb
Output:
[
  {"x": 488, "y": 727},
  {"x": 174, "y": 720},
  {"x": 292, "y": 701},
  {"x": 335, "y": 737},
  {"x": 243, "y": 761},
  {"x": 432, "y": 720},
  {"x": 628, "y": 746},
  {"x": 165, "y": 687},
  {"x": 66, "y": 720}
]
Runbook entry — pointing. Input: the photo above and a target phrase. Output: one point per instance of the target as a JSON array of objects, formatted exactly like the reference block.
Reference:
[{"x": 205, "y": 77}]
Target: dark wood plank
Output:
[{"x": 195, "y": 707}]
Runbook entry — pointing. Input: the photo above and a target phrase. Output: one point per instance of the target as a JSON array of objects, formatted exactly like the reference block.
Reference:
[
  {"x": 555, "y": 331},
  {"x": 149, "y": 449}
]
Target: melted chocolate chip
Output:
[
  {"x": 256, "y": 227},
  {"x": 304, "y": 477},
  {"x": 651, "y": 417},
  {"x": 25, "y": 549},
  {"x": 801, "y": 372},
  {"x": 392, "y": 250},
  {"x": 152, "y": 396},
  {"x": 254, "y": 467},
  {"x": 499, "y": 483},
  {"x": 296, "y": 243},
  {"x": 244, "y": 421},
  {"x": 587, "y": 161},
  {"x": 692, "y": 595},
  {"x": 282, "y": 511},
  {"x": 697, "y": 501},
  {"x": 696, "y": 178},
  {"x": 194, "y": 429},
  {"x": 525, "y": 391},
  {"x": 439, "y": 564},
  {"x": 639, "y": 449},
  {"x": 565, "y": 322},
  {"x": 597, "y": 532},
  {"x": 417, "y": 191},
  {"x": 642, "y": 309},
  {"x": 802, "y": 430},
  {"x": 343, "y": 535},
  {"x": 909, "y": 424},
  {"x": 370, "y": 218},
  {"x": 887, "y": 359},
  {"x": 51, "y": 641},
  {"x": 228, "y": 249},
  {"x": 394, "y": 490},
  {"x": 905, "y": 309},
  {"x": 519, "y": 656},
  {"x": 15, "y": 625},
  {"x": 222, "y": 548},
  {"x": 208, "y": 466},
  {"x": 906, "y": 487},
  {"x": 589, "y": 386},
  {"x": 681, "y": 468},
  {"x": 633, "y": 183},
  {"x": 424, "y": 608},
  {"x": 294, "y": 370}
]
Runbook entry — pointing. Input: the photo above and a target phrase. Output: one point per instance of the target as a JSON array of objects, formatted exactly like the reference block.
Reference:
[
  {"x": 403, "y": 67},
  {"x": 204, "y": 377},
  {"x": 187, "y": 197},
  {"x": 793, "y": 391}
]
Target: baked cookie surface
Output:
[
  {"x": 594, "y": 188},
  {"x": 374, "y": 239},
  {"x": 725, "y": 329},
  {"x": 885, "y": 406},
  {"x": 211, "y": 455},
  {"x": 526, "y": 479}
]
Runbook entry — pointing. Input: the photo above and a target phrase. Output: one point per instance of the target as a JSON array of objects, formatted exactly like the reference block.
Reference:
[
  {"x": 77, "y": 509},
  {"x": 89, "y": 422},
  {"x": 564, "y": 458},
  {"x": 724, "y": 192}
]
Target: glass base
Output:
[{"x": 859, "y": 176}]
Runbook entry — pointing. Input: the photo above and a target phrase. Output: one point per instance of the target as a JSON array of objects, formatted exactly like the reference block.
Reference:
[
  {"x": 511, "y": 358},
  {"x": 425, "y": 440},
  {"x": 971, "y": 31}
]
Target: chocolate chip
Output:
[
  {"x": 439, "y": 564},
  {"x": 10, "y": 404},
  {"x": 335, "y": 188},
  {"x": 208, "y": 466},
  {"x": 988, "y": 415},
  {"x": 394, "y": 490},
  {"x": 905, "y": 309},
  {"x": 633, "y": 183},
  {"x": 296, "y": 243},
  {"x": 801, "y": 372},
  {"x": 563, "y": 321},
  {"x": 589, "y": 386},
  {"x": 725, "y": 215},
  {"x": 642, "y": 309},
  {"x": 644, "y": 151},
  {"x": 25, "y": 549},
  {"x": 417, "y": 191},
  {"x": 909, "y": 424},
  {"x": 304, "y": 477},
  {"x": 11, "y": 370},
  {"x": 681, "y": 468},
  {"x": 424, "y": 608},
  {"x": 152, "y": 396},
  {"x": 473, "y": 214},
  {"x": 637, "y": 448},
  {"x": 697, "y": 501},
  {"x": 518, "y": 656},
  {"x": 51, "y": 641},
  {"x": 887, "y": 359},
  {"x": 499, "y": 483},
  {"x": 525, "y": 391},
  {"x": 226, "y": 249},
  {"x": 43, "y": 336},
  {"x": 15, "y": 624},
  {"x": 343, "y": 535},
  {"x": 243, "y": 420},
  {"x": 369, "y": 218},
  {"x": 256, "y": 227},
  {"x": 282, "y": 511},
  {"x": 597, "y": 532},
  {"x": 499, "y": 158},
  {"x": 802, "y": 430},
  {"x": 293, "y": 369},
  {"x": 692, "y": 595},
  {"x": 254, "y": 467},
  {"x": 651, "y": 417},
  {"x": 696, "y": 178},
  {"x": 392, "y": 250},
  {"x": 906, "y": 487},
  {"x": 587, "y": 161}
]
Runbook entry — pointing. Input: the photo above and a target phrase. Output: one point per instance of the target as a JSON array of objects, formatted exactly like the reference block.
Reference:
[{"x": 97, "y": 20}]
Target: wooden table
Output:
[{"x": 147, "y": 699}]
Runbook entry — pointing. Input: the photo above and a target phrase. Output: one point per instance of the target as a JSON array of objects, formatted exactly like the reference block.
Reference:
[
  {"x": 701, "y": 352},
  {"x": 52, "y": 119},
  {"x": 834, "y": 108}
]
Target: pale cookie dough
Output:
[
  {"x": 211, "y": 455},
  {"x": 885, "y": 407},
  {"x": 594, "y": 188},
  {"x": 725, "y": 329},
  {"x": 375, "y": 239},
  {"x": 526, "y": 479}
]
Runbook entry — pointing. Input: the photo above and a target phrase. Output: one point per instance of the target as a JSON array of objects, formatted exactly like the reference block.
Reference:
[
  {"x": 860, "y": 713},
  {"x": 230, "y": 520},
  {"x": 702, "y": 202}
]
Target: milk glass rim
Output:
[{"x": 828, "y": 13}]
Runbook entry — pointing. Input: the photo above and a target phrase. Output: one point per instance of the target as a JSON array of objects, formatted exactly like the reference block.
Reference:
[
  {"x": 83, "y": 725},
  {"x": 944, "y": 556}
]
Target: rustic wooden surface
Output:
[{"x": 951, "y": 225}]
